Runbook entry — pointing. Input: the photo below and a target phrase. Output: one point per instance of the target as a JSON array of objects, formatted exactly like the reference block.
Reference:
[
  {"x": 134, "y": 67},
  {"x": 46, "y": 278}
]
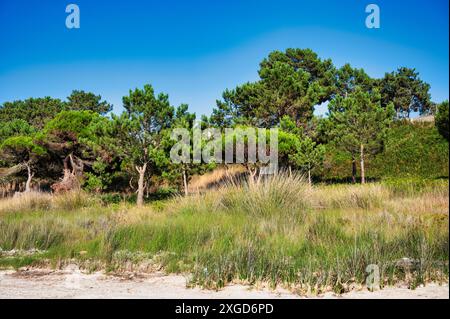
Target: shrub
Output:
[
  {"x": 413, "y": 150},
  {"x": 410, "y": 150},
  {"x": 442, "y": 119}
]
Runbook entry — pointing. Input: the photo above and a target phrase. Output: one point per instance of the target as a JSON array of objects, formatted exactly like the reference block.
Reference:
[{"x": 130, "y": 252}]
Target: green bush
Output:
[
  {"x": 410, "y": 150},
  {"x": 163, "y": 193},
  {"x": 442, "y": 119},
  {"x": 111, "y": 198}
]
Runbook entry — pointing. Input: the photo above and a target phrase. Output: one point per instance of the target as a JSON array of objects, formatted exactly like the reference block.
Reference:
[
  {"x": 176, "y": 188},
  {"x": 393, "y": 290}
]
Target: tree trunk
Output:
[
  {"x": 73, "y": 173},
  {"x": 140, "y": 197},
  {"x": 30, "y": 177},
  {"x": 353, "y": 169},
  {"x": 186, "y": 191},
  {"x": 290, "y": 171},
  {"x": 309, "y": 176},
  {"x": 363, "y": 172},
  {"x": 252, "y": 175}
]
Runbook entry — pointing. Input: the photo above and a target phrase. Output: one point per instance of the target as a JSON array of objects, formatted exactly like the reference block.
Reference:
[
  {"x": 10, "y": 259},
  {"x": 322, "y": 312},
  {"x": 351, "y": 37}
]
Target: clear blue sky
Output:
[{"x": 195, "y": 49}]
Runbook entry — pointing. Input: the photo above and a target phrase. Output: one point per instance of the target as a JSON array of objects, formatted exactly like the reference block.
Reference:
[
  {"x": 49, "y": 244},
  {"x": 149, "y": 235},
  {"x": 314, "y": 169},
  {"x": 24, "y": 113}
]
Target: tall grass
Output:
[
  {"x": 217, "y": 177},
  {"x": 279, "y": 231},
  {"x": 34, "y": 201},
  {"x": 276, "y": 195},
  {"x": 366, "y": 196},
  {"x": 26, "y": 202}
]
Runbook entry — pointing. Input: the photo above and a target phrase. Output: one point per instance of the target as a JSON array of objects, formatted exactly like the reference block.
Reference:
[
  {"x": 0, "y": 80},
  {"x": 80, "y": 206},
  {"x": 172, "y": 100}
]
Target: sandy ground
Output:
[{"x": 71, "y": 283}]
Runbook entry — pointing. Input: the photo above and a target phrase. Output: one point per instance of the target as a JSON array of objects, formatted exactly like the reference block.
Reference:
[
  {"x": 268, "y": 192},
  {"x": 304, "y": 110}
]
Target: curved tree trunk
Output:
[
  {"x": 73, "y": 172},
  {"x": 140, "y": 196},
  {"x": 252, "y": 174},
  {"x": 30, "y": 177}
]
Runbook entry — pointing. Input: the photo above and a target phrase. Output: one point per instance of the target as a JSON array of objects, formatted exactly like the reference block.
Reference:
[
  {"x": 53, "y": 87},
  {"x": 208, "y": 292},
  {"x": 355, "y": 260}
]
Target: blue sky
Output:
[{"x": 194, "y": 49}]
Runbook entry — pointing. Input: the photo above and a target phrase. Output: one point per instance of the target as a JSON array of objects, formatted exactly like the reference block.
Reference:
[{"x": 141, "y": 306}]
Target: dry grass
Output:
[
  {"x": 26, "y": 202},
  {"x": 420, "y": 205},
  {"x": 214, "y": 179},
  {"x": 349, "y": 196},
  {"x": 36, "y": 201}
]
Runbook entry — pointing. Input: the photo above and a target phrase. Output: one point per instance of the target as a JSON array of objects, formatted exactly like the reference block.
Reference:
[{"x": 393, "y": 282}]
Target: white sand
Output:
[{"x": 71, "y": 283}]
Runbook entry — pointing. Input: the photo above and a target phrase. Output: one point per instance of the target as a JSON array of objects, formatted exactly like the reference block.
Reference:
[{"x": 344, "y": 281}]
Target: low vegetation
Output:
[{"x": 281, "y": 232}]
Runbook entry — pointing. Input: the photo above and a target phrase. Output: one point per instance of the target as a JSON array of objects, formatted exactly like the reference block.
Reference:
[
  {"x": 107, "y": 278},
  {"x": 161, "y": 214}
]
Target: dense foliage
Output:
[
  {"x": 366, "y": 132},
  {"x": 442, "y": 119},
  {"x": 415, "y": 150}
]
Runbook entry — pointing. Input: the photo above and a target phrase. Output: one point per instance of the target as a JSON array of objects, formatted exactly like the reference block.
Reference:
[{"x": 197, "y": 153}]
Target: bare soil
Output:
[{"x": 72, "y": 283}]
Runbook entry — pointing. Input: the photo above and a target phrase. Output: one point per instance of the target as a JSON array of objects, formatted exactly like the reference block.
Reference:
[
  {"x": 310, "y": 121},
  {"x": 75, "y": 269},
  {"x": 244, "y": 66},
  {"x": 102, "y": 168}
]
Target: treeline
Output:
[{"x": 79, "y": 143}]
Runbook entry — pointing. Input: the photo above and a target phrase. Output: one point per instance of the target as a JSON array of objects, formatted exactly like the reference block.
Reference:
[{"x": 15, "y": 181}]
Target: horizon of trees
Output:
[{"x": 79, "y": 143}]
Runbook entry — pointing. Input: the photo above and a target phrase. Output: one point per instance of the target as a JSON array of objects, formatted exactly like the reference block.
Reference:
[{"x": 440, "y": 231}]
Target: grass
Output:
[
  {"x": 218, "y": 176},
  {"x": 280, "y": 232},
  {"x": 35, "y": 201}
]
